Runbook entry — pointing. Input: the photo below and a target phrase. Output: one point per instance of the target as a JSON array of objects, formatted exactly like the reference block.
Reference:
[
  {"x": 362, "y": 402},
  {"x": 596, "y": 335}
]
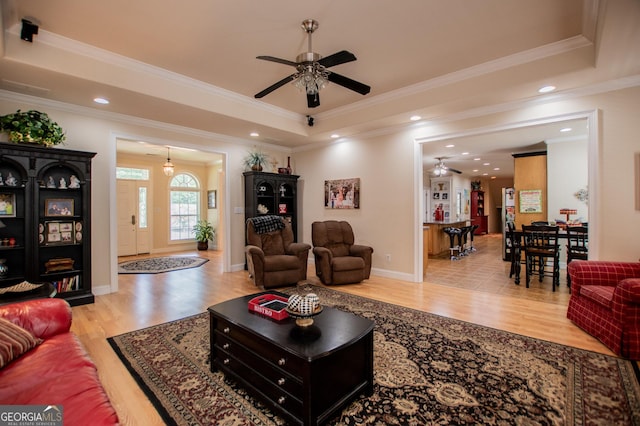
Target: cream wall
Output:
[{"x": 390, "y": 171}]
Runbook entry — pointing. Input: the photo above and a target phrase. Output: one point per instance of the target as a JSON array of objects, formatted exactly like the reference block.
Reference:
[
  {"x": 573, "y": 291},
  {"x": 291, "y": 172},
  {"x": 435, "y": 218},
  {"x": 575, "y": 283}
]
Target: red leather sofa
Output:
[
  {"x": 57, "y": 371},
  {"x": 605, "y": 302}
]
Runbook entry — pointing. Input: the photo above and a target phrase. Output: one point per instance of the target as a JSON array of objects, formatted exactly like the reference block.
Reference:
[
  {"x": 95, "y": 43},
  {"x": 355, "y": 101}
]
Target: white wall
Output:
[{"x": 567, "y": 172}]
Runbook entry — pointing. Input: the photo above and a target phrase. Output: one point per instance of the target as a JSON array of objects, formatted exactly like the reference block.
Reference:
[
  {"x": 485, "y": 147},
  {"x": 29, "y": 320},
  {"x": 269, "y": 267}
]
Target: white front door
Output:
[{"x": 133, "y": 226}]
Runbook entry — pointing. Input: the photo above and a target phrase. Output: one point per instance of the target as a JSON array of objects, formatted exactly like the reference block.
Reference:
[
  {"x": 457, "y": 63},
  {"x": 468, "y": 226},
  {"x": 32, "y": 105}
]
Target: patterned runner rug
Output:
[
  {"x": 155, "y": 265},
  {"x": 427, "y": 370}
]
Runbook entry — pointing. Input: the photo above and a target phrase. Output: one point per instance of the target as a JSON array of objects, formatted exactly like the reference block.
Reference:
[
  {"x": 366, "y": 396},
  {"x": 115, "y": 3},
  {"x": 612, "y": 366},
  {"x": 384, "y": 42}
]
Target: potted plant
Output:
[
  {"x": 32, "y": 126},
  {"x": 255, "y": 160},
  {"x": 204, "y": 233}
]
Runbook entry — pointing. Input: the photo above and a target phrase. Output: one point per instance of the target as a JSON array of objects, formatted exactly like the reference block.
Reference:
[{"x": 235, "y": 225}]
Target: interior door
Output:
[{"x": 133, "y": 229}]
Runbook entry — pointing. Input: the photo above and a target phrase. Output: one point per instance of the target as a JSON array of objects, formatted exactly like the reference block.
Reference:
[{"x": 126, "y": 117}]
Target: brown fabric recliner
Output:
[
  {"x": 338, "y": 259},
  {"x": 273, "y": 258}
]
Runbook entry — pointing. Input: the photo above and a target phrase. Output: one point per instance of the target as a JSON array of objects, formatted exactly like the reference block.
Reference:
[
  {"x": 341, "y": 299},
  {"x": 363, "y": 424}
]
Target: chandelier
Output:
[
  {"x": 168, "y": 166},
  {"x": 311, "y": 77},
  {"x": 440, "y": 169}
]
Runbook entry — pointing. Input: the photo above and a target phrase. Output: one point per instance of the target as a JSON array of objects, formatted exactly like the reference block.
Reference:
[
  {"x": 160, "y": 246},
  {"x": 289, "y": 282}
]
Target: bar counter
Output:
[{"x": 438, "y": 240}]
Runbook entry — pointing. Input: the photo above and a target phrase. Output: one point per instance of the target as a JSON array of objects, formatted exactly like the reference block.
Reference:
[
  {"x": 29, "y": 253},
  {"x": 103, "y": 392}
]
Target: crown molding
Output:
[
  {"x": 506, "y": 62},
  {"x": 128, "y": 119},
  {"x": 101, "y": 55},
  {"x": 594, "y": 89}
]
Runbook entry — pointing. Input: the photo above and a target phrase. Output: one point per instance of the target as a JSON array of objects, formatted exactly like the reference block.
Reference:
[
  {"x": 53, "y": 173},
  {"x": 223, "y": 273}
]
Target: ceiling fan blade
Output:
[
  {"x": 313, "y": 100},
  {"x": 453, "y": 170},
  {"x": 278, "y": 60},
  {"x": 343, "y": 81},
  {"x": 275, "y": 86},
  {"x": 337, "y": 58}
]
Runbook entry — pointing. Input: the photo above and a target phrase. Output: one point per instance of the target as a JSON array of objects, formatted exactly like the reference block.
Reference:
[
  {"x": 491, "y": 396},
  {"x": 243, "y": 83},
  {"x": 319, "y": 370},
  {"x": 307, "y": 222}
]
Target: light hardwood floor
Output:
[{"x": 475, "y": 289}]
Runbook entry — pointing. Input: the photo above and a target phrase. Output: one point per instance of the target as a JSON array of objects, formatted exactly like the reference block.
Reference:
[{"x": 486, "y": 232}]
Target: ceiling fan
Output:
[
  {"x": 311, "y": 71},
  {"x": 441, "y": 169}
]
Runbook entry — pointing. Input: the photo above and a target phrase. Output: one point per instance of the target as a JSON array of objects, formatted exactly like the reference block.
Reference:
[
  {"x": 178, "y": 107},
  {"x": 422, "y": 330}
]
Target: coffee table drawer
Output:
[
  {"x": 226, "y": 347},
  {"x": 250, "y": 378},
  {"x": 269, "y": 352}
]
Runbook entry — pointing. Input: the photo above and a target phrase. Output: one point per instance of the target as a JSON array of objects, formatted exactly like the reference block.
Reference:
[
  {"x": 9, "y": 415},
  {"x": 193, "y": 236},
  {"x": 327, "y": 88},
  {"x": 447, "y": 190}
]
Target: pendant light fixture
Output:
[{"x": 168, "y": 166}]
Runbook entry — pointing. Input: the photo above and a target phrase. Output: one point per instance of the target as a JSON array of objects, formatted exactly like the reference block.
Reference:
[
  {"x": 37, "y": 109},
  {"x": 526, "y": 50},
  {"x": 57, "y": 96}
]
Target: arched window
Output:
[{"x": 185, "y": 206}]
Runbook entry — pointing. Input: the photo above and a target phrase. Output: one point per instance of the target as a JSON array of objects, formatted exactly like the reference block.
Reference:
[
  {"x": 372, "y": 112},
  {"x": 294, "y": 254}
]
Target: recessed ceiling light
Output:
[
  {"x": 477, "y": 159},
  {"x": 496, "y": 168},
  {"x": 566, "y": 129},
  {"x": 101, "y": 101},
  {"x": 485, "y": 174},
  {"x": 254, "y": 134},
  {"x": 485, "y": 164},
  {"x": 465, "y": 153},
  {"x": 475, "y": 170},
  {"x": 450, "y": 145},
  {"x": 335, "y": 136},
  {"x": 493, "y": 177},
  {"x": 415, "y": 118},
  {"x": 546, "y": 89}
]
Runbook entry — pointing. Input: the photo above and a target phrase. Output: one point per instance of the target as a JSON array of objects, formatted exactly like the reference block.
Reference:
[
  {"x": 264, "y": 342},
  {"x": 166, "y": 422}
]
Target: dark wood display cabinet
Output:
[
  {"x": 271, "y": 193},
  {"x": 45, "y": 214},
  {"x": 477, "y": 212}
]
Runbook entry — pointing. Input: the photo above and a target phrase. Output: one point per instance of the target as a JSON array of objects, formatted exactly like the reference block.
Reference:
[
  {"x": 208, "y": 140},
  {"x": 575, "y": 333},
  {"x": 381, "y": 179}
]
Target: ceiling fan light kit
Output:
[
  {"x": 312, "y": 74},
  {"x": 441, "y": 169}
]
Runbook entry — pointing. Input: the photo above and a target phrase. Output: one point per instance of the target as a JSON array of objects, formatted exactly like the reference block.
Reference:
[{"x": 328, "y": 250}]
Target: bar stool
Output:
[
  {"x": 471, "y": 232},
  {"x": 462, "y": 240},
  {"x": 453, "y": 232}
]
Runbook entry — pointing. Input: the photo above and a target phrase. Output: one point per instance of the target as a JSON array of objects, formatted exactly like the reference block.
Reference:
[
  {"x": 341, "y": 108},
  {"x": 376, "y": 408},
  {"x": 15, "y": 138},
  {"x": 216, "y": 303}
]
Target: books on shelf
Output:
[{"x": 67, "y": 284}]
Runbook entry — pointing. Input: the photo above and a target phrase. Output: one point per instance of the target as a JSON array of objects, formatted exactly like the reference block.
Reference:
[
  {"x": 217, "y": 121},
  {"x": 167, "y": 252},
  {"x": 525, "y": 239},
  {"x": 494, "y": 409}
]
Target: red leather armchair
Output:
[
  {"x": 605, "y": 302},
  {"x": 58, "y": 371}
]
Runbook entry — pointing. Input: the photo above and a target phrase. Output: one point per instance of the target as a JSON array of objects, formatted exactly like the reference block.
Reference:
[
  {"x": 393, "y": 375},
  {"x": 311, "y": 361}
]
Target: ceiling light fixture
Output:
[
  {"x": 566, "y": 129},
  {"x": 168, "y": 166},
  {"x": 311, "y": 76},
  {"x": 415, "y": 118},
  {"x": 101, "y": 101},
  {"x": 254, "y": 134},
  {"x": 335, "y": 136},
  {"x": 440, "y": 169},
  {"x": 546, "y": 89}
]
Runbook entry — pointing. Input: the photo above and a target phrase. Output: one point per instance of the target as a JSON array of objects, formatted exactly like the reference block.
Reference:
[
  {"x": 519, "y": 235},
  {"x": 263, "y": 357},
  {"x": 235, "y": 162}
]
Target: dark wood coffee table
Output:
[{"x": 305, "y": 375}]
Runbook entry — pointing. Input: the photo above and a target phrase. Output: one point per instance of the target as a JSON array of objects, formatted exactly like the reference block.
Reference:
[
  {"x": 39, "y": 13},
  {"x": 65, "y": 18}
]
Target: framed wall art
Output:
[
  {"x": 342, "y": 193},
  {"x": 211, "y": 199},
  {"x": 58, "y": 207},
  {"x": 530, "y": 201},
  {"x": 7, "y": 205}
]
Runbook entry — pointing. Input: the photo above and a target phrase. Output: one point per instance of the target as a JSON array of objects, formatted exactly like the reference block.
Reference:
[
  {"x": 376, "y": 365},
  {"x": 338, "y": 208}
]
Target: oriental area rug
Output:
[
  {"x": 156, "y": 265},
  {"x": 427, "y": 370}
]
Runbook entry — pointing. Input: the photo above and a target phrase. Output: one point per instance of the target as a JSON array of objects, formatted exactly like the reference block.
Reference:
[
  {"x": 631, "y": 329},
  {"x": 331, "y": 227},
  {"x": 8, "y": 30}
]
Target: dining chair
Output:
[
  {"x": 577, "y": 245},
  {"x": 540, "y": 243},
  {"x": 514, "y": 245}
]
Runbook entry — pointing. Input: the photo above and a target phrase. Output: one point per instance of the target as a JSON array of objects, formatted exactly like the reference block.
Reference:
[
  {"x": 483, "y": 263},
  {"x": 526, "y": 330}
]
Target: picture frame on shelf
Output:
[
  {"x": 59, "y": 233},
  {"x": 55, "y": 207},
  {"x": 7, "y": 205}
]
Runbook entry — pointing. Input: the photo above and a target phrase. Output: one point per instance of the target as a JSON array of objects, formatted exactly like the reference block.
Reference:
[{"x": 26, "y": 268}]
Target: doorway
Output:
[{"x": 429, "y": 147}]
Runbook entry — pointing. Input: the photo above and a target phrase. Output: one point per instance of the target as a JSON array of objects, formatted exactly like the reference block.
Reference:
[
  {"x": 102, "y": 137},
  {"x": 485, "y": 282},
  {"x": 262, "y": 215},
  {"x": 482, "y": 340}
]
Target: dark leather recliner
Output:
[
  {"x": 338, "y": 259},
  {"x": 273, "y": 258}
]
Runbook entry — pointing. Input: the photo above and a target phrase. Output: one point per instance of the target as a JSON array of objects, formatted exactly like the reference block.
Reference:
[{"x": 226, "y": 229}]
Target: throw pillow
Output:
[{"x": 14, "y": 341}]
